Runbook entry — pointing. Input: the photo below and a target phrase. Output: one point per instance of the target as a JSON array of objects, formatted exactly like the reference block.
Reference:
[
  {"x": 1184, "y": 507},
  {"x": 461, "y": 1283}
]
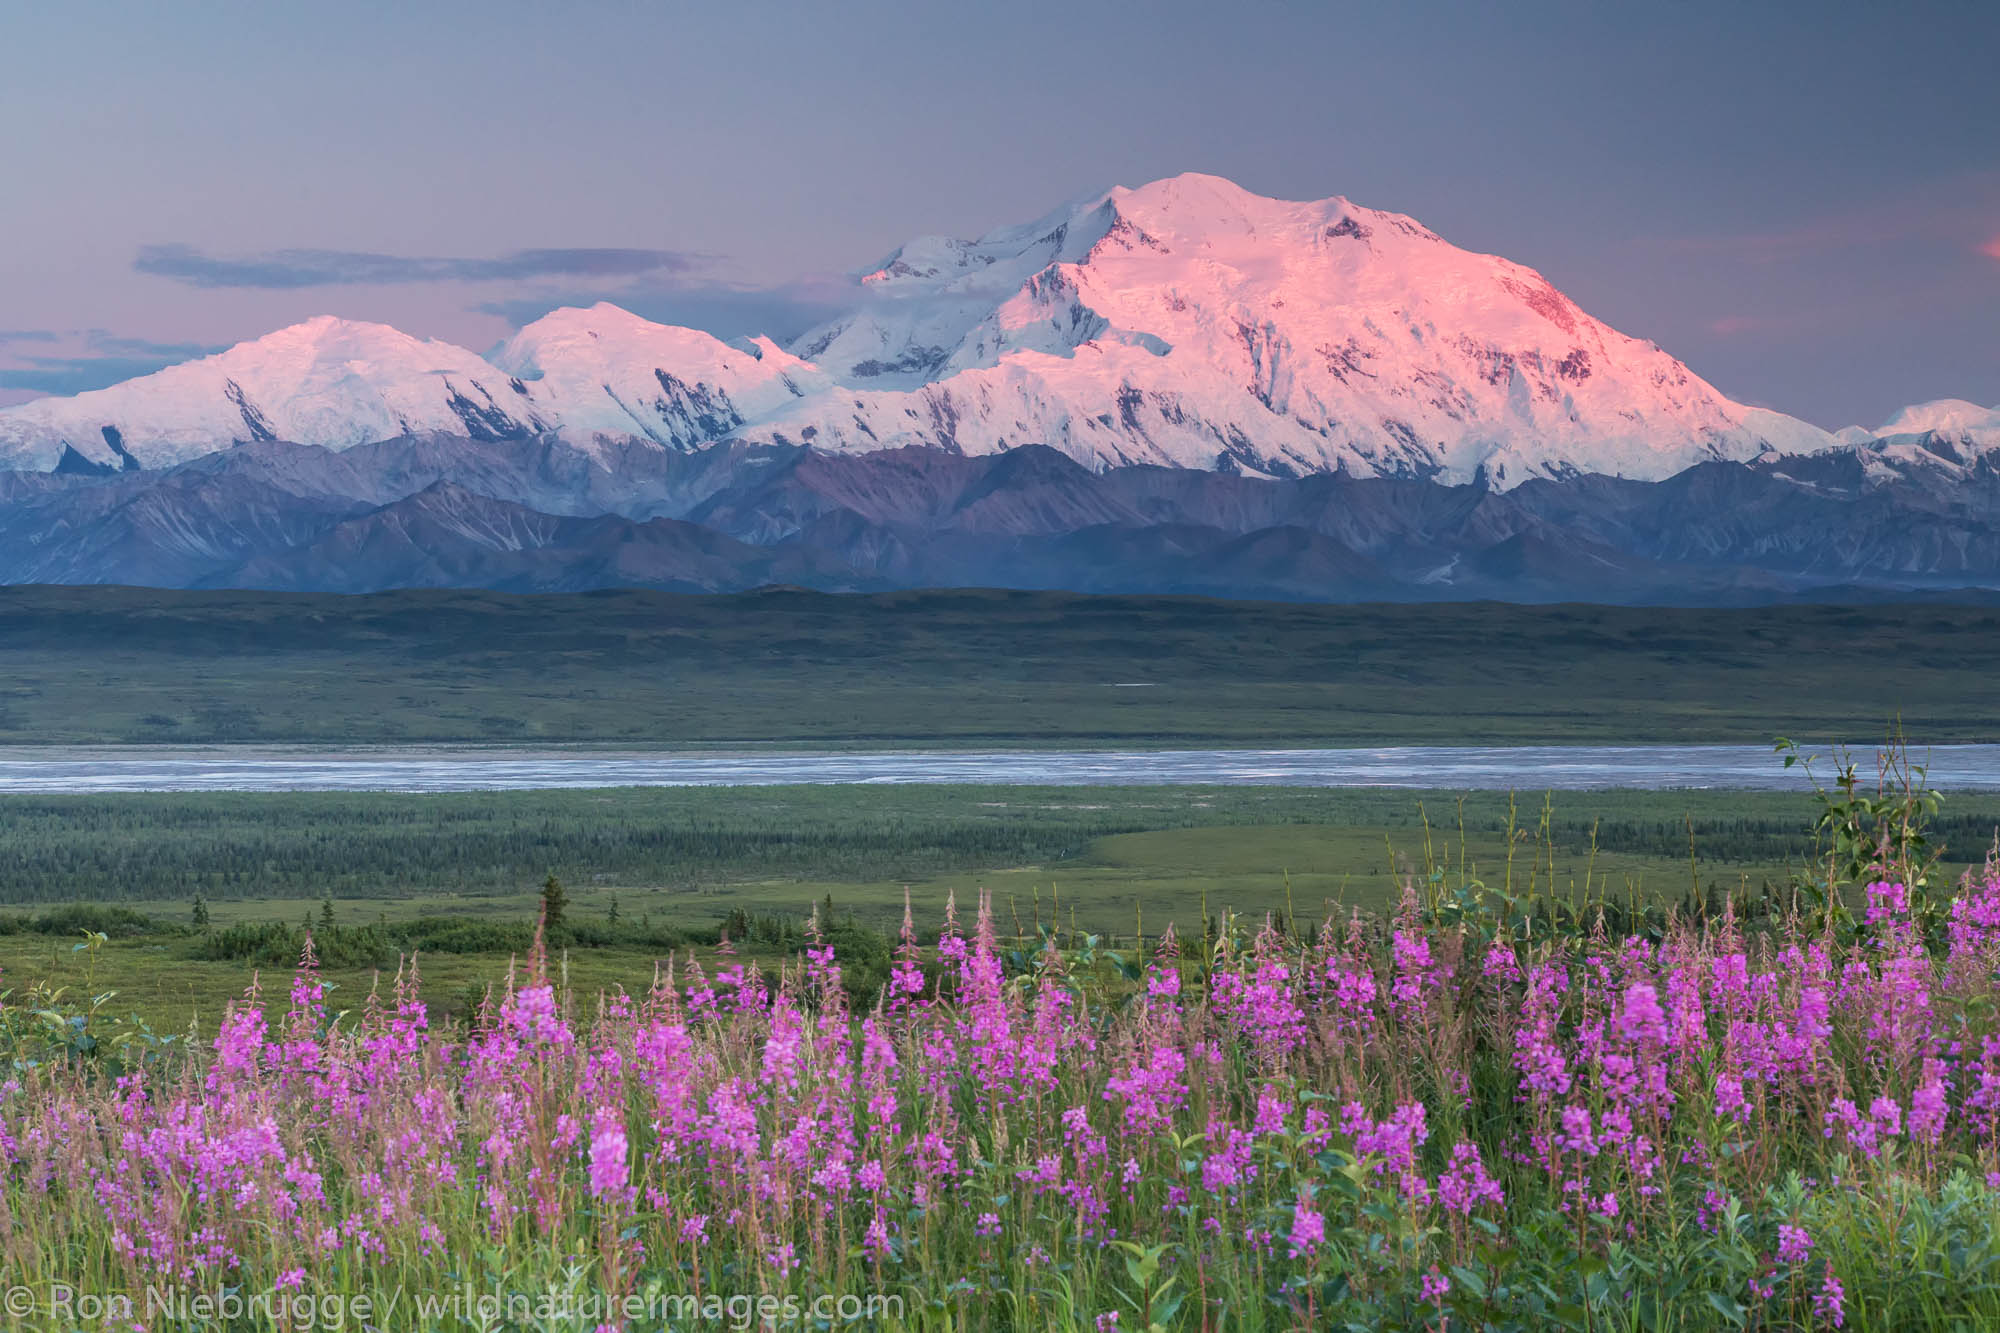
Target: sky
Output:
[{"x": 1800, "y": 201}]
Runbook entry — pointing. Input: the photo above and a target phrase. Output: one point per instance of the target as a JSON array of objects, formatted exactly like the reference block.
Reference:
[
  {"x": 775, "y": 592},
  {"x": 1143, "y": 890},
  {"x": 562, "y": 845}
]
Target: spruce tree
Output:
[{"x": 554, "y": 900}]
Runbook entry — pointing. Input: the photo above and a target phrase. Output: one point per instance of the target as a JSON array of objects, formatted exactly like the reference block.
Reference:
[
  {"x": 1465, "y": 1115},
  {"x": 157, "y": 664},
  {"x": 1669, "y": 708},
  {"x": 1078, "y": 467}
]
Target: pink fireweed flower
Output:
[
  {"x": 823, "y": 972},
  {"x": 1887, "y": 902},
  {"x": 530, "y": 1015},
  {"x": 1800, "y": 1048},
  {"x": 1575, "y": 1136},
  {"x": 239, "y": 1045},
  {"x": 1930, "y": 1105},
  {"x": 1982, "y": 1101},
  {"x": 1830, "y": 1303},
  {"x": 1464, "y": 1184},
  {"x": 951, "y": 944},
  {"x": 1152, "y": 1090},
  {"x": 1687, "y": 1019},
  {"x": 1729, "y": 1100},
  {"x": 1500, "y": 965},
  {"x": 1864, "y": 1133},
  {"x": 1794, "y": 1244},
  {"x": 1261, "y": 999},
  {"x": 1351, "y": 994},
  {"x": 1163, "y": 974},
  {"x": 1226, "y": 1169},
  {"x": 876, "y": 1243},
  {"x": 1417, "y": 972},
  {"x": 1714, "y": 1203},
  {"x": 610, "y": 1172},
  {"x": 1272, "y": 1110},
  {"x": 1393, "y": 1141},
  {"x": 1641, "y": 1021},
  {"x": 1308, "y": 1231},
  {"x": 1974, "y": 928},
  {"x": 1538, "y": 1054}
]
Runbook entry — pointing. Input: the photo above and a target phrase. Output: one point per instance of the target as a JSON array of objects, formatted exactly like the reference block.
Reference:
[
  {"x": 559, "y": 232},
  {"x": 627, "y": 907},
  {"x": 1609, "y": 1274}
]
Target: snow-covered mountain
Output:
[
  {"x": 586, "y": 375},
  {"x": 1947, "y": 436},
  {"x": 606, "y": 374},
  {"x": 1950, "y": 428},
  {"x": 327, "y": 381},
  {"x": 1192, "y": 323},
  {"x": 1187, "y": 323}
]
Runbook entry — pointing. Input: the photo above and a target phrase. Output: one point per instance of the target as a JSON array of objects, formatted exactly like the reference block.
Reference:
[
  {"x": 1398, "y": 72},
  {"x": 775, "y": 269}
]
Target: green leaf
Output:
[{"x": 1727, "y": 1308}]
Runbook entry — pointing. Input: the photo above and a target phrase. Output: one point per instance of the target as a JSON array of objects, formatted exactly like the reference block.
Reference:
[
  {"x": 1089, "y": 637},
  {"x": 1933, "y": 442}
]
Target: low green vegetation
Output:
[
  {"x": 968, "y": 668},
  {"x": 412, "y": 854},
  {"x": 192, "y": 893}
]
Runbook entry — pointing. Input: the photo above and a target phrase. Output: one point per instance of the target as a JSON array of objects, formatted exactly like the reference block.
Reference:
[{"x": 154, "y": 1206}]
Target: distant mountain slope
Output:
[
  {"x": 604, "y": 373},
  {"x": 1192, "y": 323},
  {"x": 1186, "y": 323},
  {"x": 449, "y": 537},
  {"x": 327, "y": 381},
  {"x": 539, "y": 514}
]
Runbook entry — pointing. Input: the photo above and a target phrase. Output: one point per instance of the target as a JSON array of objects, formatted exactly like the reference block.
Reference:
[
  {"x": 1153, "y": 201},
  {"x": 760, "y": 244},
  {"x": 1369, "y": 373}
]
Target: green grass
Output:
[
  {"x": 971, "y": 668},
  {"x": 397, "y": 852},
  {"x": 1106, "y": 859}
]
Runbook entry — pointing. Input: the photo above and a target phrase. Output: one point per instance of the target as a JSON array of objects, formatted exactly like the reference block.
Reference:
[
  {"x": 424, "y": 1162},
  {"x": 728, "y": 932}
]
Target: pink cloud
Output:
[{"x": 1991, "y": 248}]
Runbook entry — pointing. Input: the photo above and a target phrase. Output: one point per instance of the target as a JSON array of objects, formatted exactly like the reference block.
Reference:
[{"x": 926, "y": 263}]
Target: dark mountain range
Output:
[{"x": 538, "y": 514}]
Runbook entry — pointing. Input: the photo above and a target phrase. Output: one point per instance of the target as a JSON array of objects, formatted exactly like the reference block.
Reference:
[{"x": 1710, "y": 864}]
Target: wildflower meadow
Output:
[{"x": 1481, "y": 1113}]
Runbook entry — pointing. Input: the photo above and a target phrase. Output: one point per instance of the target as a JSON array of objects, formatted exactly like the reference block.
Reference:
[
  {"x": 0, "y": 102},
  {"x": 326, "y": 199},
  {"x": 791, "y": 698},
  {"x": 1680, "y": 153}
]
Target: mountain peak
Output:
[
  {"x": 603, "y": 316},
  {"x": 594, "y": 337},
  {"x": 1192, "y": 322},
  {"x": 327, "y": 381},
  {"x": 608, "y": 373},
  {"x": 333, "y": 333},
  {"x": 1200, "y": 198},
  {"x": 1186, "y": 322},
  {"x": 1952, "y": 416}
]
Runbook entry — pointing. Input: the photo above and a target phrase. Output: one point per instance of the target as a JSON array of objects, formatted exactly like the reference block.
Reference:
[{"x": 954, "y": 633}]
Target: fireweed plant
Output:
[{"x": 1469, "y": 1116}]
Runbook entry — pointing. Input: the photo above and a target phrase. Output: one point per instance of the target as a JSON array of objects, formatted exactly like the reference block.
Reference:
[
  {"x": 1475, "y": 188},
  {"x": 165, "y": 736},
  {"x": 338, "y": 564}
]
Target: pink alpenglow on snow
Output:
[{"x": 1186, "y": 323}]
